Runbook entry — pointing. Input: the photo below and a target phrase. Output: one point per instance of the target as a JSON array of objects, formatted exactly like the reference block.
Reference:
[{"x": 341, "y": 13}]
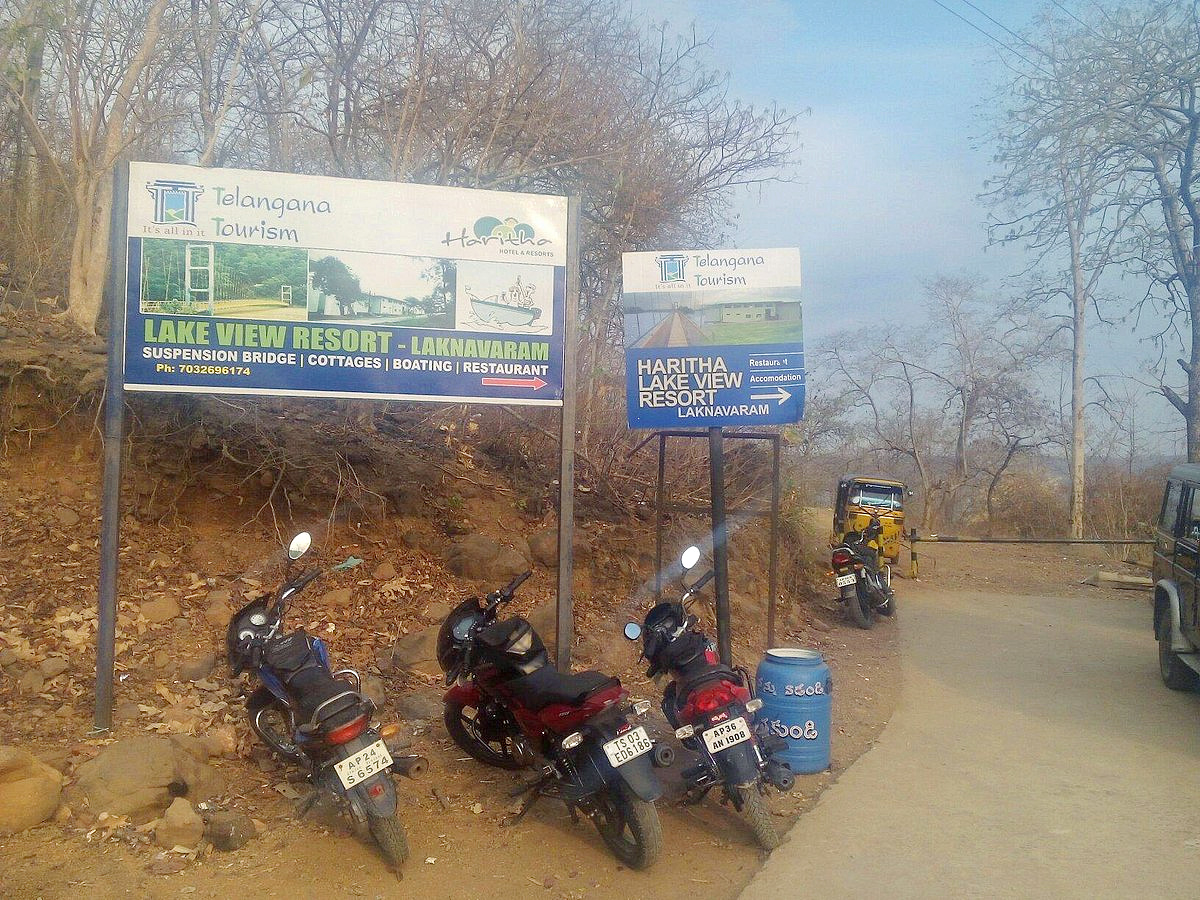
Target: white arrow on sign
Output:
[{"x": 778, "y": 394}]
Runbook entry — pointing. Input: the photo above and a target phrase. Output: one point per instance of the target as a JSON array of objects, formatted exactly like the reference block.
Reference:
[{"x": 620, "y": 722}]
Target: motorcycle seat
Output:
[
  {"x": 318, "y": 698},
  {"x": 547, "y": 685}
]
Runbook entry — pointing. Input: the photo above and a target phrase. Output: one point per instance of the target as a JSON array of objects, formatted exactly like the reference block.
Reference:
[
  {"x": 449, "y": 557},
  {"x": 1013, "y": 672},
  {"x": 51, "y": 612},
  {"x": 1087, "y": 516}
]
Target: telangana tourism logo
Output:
[
  {"x": 489, "y": 230},
  {"x": 672, "y": 268},
  {"x": 174, "y": 201}
]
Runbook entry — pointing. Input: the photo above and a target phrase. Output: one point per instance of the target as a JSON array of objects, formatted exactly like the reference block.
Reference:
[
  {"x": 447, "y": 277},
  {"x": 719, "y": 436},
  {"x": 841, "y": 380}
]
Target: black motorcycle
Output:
[
  {"x": 865, "y": 586},
  {"x": 711, "y": 707},
  {"x": 315, "y": 718},
  {"x": 507, "y": 706}
]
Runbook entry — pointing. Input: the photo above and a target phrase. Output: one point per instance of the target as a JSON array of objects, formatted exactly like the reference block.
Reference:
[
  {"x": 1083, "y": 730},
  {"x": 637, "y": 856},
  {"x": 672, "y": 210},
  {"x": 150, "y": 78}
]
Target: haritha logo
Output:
[
  {"x": 671, "y": 267},
  {"x": 504, "y": 232},
  {"x": 174, "y": 201}
]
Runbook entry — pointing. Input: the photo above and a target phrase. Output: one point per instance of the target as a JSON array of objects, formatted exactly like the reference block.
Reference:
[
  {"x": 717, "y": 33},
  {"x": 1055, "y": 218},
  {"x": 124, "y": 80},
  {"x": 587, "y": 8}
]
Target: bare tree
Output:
[{"x": 955, "y": 396}]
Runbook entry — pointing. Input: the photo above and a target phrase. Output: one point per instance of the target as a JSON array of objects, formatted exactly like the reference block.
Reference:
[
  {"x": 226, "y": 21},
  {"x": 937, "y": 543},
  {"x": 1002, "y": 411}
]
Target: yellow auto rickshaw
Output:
[{"x": 861, "y": 496}]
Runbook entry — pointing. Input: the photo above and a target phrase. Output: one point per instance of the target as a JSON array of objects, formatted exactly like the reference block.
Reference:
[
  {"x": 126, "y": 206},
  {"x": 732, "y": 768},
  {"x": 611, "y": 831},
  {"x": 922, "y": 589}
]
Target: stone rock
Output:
[
  {"x": 180, "y": 826},
  {"x": 218, "y": 612},
  {"x": 543, "y": 547},
  {"x": 53, "y": 666},
  {"x": 413, "y": 650},
  {"x": 65, "y": 487},
  {"x": 126, "y": 711},
  {"x": 164, "y": 609},
  {"x": 29, "y": 790},
  {"x": 7, "y": 657},
  {"x": 167, "y": 864},
  {"x": 340, "y": 597},
  {"x": 416, "y": 706},
  {"x": 32, "y": 682},
  {"x": 482, "y": 558},
  {"x": 220, "y": 741},
  {"x": 374, "y": 690},
  {"x": 219, "y": 595},
  {"x": 198, "y": 667},
  {"x": 162, "y": 659},
  {"x": 437, "y": 611},
  {"x": 227, "y": 830},
  {"x": 544, "y": 619},
  {"x": 385, "y": 571},
  {"x": 138, "y": 777},
  {"x": 66, "y": 517}
]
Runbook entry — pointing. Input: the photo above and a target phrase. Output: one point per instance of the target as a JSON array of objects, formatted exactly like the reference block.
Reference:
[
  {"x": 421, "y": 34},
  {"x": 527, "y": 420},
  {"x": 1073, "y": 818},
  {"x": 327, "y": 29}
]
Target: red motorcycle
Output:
[
  {"x": 711, "y": 709},
  {"x": 509, "y": 707}
]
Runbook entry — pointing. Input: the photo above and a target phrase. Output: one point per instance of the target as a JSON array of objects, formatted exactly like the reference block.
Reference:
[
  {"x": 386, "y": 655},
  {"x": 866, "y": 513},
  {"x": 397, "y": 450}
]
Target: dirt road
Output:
[{"x": 1034, "y": 753}]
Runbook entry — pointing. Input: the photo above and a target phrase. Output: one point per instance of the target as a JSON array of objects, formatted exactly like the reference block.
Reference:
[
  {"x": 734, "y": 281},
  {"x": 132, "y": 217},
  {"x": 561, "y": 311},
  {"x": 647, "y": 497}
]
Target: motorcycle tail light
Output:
[
  {"x": 376, "y": 789},
  {"x": 841, "y": 557},
  {"x": 347, "y": 732},
  {"x": 685, "y": 732},
  {"x": 708, "y": 703}
]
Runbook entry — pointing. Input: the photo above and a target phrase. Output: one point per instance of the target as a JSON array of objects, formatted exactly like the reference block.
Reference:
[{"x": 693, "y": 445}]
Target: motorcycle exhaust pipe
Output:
[
  {"x": 662, "y": 756},
  {"x": 412, "y": 766},
  {"x": 780, "y": 776}
]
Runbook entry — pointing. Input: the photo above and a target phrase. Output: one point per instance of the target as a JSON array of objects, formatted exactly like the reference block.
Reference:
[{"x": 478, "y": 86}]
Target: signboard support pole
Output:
[
  {"x": 773, "y": 566},
  {"x": 716, "y": 462},
  {"x": 564, "y": 629},
  {"x": 659, "y": 500},
  {"x": 114, "y": 426}
]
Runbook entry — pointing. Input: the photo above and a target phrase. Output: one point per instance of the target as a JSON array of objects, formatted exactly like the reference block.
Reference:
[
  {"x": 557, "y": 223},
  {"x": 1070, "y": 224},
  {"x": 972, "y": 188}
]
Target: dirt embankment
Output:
[{"x": 196, "y": 542}]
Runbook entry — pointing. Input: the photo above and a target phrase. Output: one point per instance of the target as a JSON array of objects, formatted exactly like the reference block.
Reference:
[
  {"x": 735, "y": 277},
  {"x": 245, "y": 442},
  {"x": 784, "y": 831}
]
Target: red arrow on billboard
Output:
[{"x": 534, "y": 383}]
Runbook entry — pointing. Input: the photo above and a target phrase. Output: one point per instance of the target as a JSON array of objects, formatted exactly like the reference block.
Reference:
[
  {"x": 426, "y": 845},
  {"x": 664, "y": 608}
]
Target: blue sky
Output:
[{"x": 893, "y": 160}]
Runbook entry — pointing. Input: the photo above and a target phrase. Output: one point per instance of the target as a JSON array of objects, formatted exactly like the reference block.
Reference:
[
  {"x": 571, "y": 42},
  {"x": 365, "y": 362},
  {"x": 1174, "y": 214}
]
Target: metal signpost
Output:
[
  {"x": 713, "y": 338},
  {"x": 226, "y": 281}
]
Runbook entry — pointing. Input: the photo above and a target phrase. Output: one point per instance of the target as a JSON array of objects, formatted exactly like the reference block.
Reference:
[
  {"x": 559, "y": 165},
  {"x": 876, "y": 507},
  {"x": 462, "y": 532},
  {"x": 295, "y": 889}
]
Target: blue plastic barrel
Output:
[{"x": 796, "y": 691}]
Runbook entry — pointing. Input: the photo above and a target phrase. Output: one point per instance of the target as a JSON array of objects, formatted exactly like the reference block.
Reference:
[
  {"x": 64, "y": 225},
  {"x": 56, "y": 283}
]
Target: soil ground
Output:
[{"x": 49, "y": 519}]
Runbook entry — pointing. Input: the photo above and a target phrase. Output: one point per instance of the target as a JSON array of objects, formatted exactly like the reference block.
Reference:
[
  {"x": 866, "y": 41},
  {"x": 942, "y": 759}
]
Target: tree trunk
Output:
[
  {"x": 89, "y": 249},
  {"x": 1078, "y": 310}
]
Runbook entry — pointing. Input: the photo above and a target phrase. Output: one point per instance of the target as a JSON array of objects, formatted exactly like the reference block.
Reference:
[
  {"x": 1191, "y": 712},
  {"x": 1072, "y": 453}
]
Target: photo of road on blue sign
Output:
[{"x": 713, "y": 337}]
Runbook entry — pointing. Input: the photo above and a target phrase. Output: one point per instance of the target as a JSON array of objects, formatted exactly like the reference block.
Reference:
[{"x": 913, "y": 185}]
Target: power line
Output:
[
  {"x": 1006, "y": 28},
  {"x": 991, "y": 37}
]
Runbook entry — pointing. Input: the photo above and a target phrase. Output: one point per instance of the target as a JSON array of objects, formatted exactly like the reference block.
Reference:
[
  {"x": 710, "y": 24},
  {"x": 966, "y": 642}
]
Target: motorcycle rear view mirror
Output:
[
  {"x": 299, "y": 545},
  {"x": 690, "y": 557},
  {"x": 633, "y": 631}
]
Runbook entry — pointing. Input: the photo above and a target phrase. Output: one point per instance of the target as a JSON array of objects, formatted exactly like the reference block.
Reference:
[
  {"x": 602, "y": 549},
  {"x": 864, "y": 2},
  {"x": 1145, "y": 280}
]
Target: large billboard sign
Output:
[
  {"x": 246, "y": 282},
  {"x": 713, "y": 338}
]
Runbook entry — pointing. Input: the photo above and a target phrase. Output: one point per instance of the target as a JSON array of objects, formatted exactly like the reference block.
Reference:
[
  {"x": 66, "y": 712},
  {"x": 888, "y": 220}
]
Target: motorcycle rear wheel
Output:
[
  {"x": 273, "y": 725},
  {"x": 889, "y": 608},
  {"x": 862, "y": 611},
  {"x": 758, "y": 817},
  {"x": 465, "y": 731},
  {"x": 628, "y": 825},
  {"x": 389, "y": 835}
]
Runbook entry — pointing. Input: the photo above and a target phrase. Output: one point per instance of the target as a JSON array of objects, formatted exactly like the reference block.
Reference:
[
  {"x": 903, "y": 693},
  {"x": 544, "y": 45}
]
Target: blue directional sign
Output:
[
  {"x": 713, "y": 338},
  {"x": 246, "y": 282}
]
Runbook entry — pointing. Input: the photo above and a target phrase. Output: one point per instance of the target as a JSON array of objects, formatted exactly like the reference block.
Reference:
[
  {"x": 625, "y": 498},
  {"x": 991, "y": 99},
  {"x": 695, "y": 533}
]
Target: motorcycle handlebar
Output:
[{"x": 507, "y": 593}]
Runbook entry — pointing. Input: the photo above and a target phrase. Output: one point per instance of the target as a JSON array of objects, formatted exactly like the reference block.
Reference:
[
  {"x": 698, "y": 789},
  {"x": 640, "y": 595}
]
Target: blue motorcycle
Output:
[{"x": 314, "y": 717}]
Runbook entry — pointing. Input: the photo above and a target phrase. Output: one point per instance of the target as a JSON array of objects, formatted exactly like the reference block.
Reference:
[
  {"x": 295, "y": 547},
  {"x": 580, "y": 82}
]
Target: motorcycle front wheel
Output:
[
  {"x": 628, "y": 825},
  {"x": 489, "y": 741},
  {"x": 758, "y": 817},
  {"x": 389, "y": 835},
  {"x": 862, "y": 611}
]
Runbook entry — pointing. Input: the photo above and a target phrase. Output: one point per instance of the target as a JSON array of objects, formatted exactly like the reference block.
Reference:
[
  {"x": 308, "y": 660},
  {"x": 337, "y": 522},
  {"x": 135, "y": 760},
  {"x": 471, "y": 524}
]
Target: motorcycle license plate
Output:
[
  {"x": 726, "y": 735},
  {"x": 362, "y": 765},
  {"x": 843, "y": 580},
  {"x": 628, "y": 746}
]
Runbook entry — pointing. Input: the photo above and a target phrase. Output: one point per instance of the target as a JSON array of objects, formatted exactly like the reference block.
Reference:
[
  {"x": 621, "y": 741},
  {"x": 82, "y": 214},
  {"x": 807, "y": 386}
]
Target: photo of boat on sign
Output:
[{"x": 504, "y": 297}]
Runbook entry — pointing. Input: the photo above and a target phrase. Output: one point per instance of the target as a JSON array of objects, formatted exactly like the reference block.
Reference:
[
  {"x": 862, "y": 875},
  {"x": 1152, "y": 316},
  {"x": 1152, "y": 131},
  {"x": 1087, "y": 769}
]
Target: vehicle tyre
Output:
[
  {"x": 1176, "y": 674},
  {"x": 272, "y": 723},
  {"x": 389, "y": 835},
  {"x": 628, "y": 825},
  {"x": 860, "y": 607},
  {"x": 754, "y": 808},
  {"x": 489, "y": 742},
  {"x": 889, "y": 607}
]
